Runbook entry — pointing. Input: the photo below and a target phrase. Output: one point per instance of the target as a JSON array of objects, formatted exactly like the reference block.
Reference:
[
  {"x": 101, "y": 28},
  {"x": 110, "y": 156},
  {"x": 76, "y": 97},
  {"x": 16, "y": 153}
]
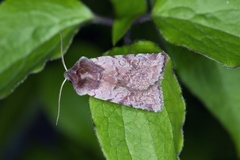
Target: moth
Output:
[{"x": 132, "y": 80}]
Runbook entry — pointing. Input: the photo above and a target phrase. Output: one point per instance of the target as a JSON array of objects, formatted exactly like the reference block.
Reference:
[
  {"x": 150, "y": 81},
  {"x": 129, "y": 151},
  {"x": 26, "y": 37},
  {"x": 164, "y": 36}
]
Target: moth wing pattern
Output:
[{"x": 132, "y": 80}]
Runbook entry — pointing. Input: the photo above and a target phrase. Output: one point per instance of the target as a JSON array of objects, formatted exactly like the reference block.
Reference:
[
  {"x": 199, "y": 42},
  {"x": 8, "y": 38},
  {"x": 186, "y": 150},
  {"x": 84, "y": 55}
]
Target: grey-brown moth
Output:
[{"x": 133, "y": 80}]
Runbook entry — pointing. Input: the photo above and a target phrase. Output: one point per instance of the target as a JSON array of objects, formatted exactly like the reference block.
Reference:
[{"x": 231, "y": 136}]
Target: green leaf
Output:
[
  {"x": 125, "y": 13},
  {"x": 30, "y": 35},
  {"x": 128, "y": 133},
  {"x": 216, "y": 86},
  {"x": 211, "y": 28}
]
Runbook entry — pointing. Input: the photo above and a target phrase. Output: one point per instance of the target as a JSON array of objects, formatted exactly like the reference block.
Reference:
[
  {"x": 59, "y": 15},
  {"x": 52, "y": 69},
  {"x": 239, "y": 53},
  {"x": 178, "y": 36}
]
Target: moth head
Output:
[
  {"x": 84, "y": 76},
  {"x": 76, "y": 80},
  {"x": 70, "y": 76},
  {"x": 78, "y": 73}
]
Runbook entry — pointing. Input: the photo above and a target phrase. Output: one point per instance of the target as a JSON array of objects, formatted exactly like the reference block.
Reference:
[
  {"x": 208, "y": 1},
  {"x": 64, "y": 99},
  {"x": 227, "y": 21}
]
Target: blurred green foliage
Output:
[{"x": 27, "y": 116}]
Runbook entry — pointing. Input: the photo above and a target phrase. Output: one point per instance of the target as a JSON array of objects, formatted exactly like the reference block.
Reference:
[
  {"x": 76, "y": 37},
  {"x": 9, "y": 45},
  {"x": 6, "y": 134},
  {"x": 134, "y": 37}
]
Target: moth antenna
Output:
[
  {"x": 60, "y": 91},
  {"x": 59, "y": 100},
  {"x": 62, "y": 57}
]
